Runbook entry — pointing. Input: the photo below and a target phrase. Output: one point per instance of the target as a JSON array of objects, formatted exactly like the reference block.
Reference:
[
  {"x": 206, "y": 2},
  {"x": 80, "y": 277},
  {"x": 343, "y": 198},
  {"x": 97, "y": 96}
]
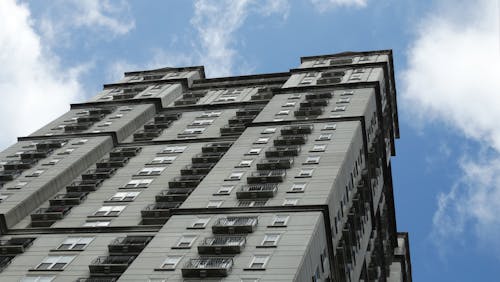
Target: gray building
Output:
[{"x": 170, "y": 176}]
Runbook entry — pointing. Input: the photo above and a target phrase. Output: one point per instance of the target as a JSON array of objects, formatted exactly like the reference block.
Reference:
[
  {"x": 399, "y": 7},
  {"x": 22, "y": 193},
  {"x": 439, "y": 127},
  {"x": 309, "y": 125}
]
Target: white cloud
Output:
[
  {"x": 34, "y": 87},
  {"x": 453, "y": 77},
  {"x": 325, "y": 5}
]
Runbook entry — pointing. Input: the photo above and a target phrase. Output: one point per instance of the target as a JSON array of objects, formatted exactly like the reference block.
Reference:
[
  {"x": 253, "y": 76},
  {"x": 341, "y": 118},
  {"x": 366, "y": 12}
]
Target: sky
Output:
[{"x": 447, "y": 63}]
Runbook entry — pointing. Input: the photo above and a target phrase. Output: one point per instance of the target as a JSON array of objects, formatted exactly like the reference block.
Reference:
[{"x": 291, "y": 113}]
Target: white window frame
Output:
[
  {"x": 318, "y": 148},
  {"x": 283, "y": 113},
  {"x": 4, "y": 197},
  {"x": 138, "y": 183},
  {"x": 38, "y": 278},
  {"x": 245, "y": 163},
  {"x": 290, "y": 202},
  {"x": 280, "y": 220},
  {"x": 171, "y": 262},
  {"x": 163, "y": 160},
  {"x": 97, "y": 223},
  {"x": 52, "y": 161},
  {"x": 254, "y": 151},
  {"x": 36, "y": 173},
  {"x": 269, "y": 130},
  {"x": 261, "y": 140},
  {"x": 200, "y": 223},
  {"x": 80, "y": 142},
  {"x": 214, "y": 203},
  {"x": 109, "y": 210},
  {"x": 74, "y": 243},
  {"x": 330, "y": 126},
  {"x": 193, "y": 130},
  {"x": 54, "y": 260},
  {"x": 225, "y": 190},
  {"x": 289, "y": 104},
  {"x": 343, "y": 100},
  {"x": 198, "y": 122},
  {"x": 124, "y": 196},
  {"x": 210, "y": 114},
  {"x": 305, "y": 173},
  {"x": 324, "y": 137},
  {"x": 347, "y": 93},
  {"x": 295, "y": 96},
  {"x": 270, "y": 240},
  {"x": 173, "y": 149},
  {"x": 312, "y": 160},
  {"x": 259, "y": 262},
  {"x": 154, "y": 170},
  {"x": 186, "y": 241},
  {"x": 339, "y": 109},
  {"x": 298, "y": 187},
  {"x": 235, "y": 176}
]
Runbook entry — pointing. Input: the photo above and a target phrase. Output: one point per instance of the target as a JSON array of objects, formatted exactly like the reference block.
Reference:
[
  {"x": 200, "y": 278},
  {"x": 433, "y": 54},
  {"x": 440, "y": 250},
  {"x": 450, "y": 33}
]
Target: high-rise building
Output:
[{"x": 171, "y": 176}]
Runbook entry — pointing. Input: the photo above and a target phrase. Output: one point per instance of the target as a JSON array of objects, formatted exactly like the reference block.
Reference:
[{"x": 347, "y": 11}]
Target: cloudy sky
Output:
[{"x": 447, "y": 59}]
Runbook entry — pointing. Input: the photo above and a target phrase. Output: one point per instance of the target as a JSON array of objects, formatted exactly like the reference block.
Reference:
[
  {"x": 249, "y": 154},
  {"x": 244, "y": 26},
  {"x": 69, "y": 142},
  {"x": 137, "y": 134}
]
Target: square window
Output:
[
  {"x": 75, "y": 243},
  {"x": 214, "y": 204},
  {"x": 290, "y": 202},
  {"x": 225, "y": 190},
  {"x": 270, "y": 240},
  {"x": 138, "y": 183},
  {"x": 305, "y": 173},
  {"x": 185, "y": 242},
  {"x": 283, "y": 113},
  {"x": 200, "y": 223},
  {"x": 259, "y": 262},
  {"x": 280, "y": 220},
  {"x": 245, "y": 163},
  {"x": 173, "y": 149},
  {"x": 235, "y": 176},
  {"x": 318, "y": 148},
  {"x": 97, "y": 223},
  {"x": 330, "y": 126},
  {"x": 54, "y": 262},
  {"x": 324, "y": 137},
  {"x": 109, "y": 211},
  {"x": 171, "y": 262},
  {"x": 339, "y": 109},
  {"x": 289, "y": 104},
  {"x": 269, "y": 130},
  {"x": 254, "y": 151},
  {"x": 261, "y": 140},
  {"x": 124, "y": 196},
  {"x": 312, "y": 160},
  {"x": 163, "y": 160},
  {"x": 298, "y": 187}
]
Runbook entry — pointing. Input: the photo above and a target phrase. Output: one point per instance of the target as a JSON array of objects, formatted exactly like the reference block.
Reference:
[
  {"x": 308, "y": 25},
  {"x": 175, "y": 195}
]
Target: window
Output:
[
  {"x": 36, "y": 173},
  {"x": 202, "y": 122},
  {"x": 298, "y": 187},
  {"x": 270, "y": 240},
  {"x": 4, "y": 197},
  {"x": 312, "y": 160},
  {"x": 347, "y": 93},
  {"x": 210, "y": 114},
  {"x": 105, "y": 124},
  {"x": 245, "y": 163},
  {"x": 305, "y": 173},
  {"x": 138, "y": 183},
  {"x": 54, "y": 262},
  {"x": 278, "y": 119},
  {"x": 339, "y": 109},
  {"x": 225, "y": 190},
  {"x": 171, "y": 262},
  {"x": 344, "y": 100},
  {"x": 75, "y": 243},
  {"x": 126, "y": 109},
  {"x": 252, "y": 203},
  {"x": 318, "y": 148},
  {"x": 19, "y": 185},
  {"x": 295, "y": 96},
  {"x": 280, "y": 220},
  {"x": 259, "y": 262},
  {"x": 67, "y": 151},
  {"x": 200, "y": 223},
  {"x": 52, "y": 162},
  {"x": 249, "y": 279},
  {"x": 289, "y": 104},
  {"x": 109, "y": 211},
  {"x": 290, "y": 202},
  {"x": 97, "y": 223},
  {"x": 151, "y": 171},
  {"x": 283, "y": 113},
  {"x": 261, "y": 140},
  {"x": 269, "y": 130},
  {"x": 40, "y": 278},
  {"x": 330, "y": 126},
  {"x": 254, "y": 151},
  {"x": 194, "y": 130},
  {"x": 124, "y": 196},
  {"x": 226, "y": 99},
  {"x": 117, "y": 116},
  {"x": 163, "y": 160},
  {"x": 185, "y": 242},
  {"x": 80, "y": 142},
  {"x": 173, "y": 149},
  {"x": 234, "y": 176},
  {"x": 214, "y": 204},
  {"x": 324, "y": 137}
]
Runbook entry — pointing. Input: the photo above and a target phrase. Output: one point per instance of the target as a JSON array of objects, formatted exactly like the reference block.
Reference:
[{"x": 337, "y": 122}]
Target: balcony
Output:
[
  {"x": 234, "y": 225},
  {"x": 84, "y": 185},
  {"x": 97, "y": 279},
  {"x": 286, "y": 151},
  {"x": 185, "y": 181},
  {"x": 160, "y": 118},
  {"x": 315, "y": 96},
  {"x": 15, "y": 246},
  {"x": 207, "y": 158},
  {"x": 272, "y": 164},
  {"x": 154, "y": 126},
  {"x": 143, "y": 135},
  {"x": 290, "y": 140},
  {"x": 173, "y": 195},
  {"x": 297, "y": 129},
  {"x": 305, "y": 112},
  {"x": 261, "y": 96},
  {"x": 50, "y": 144},
  {"x": 98, "y": 173},
  {"x": 113, "y": 162},
  {"x": 216, "y": 147},
  {"x": 232, "y": 130},
  {"x": 248, "y": 112},
  {"x": 35, "y": 154},
  {"x": 207, "y": 267},
  {"x": 245, "y": 120},
  {"x": 125, "y": 152},
  {"x": 89, "y": 118},
  {"x": 68, "y": 199},
  {"x": 192, "y": 95},
  {"x": 197, "y": 169},
  {"x": 152, "y": 77},
  {"x": 5, "y": 261},
  {"x": 45, "y": 217},
  {"x": 77, "y": 126},
  {"x": 9, "y": 175},
  {"x": 184, "y": 102},
  {"x": 129, "y": 245},
  {"x": 123, "y": 96},
  {"x": 314, "y": 103},
  {"x": 221, "y": 245},
  {"x": 158, "y": 213},
  {"x": 256, "y": 191},
  {"x": 100, "y": 111},
  {"x": 266, "y": 176},
  {"x": 328, "y": 80},
  {"x": 110, "y": 265}
]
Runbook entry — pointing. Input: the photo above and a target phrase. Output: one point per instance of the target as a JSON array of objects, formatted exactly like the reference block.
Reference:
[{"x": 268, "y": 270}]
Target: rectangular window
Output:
[
  {"x": 318, "y": 148},
  {"x": 138, "y": 183},
  {"x": 305, "y": 173},
  {"x": 185, "y": 242},
  {"x": 254, "y": 151},
  {"x": 259, "y": 262},
  {"x": 97, "y": 223},
  {"x": 245, "y": 163},
  {"x": 36, "y": 173},
  {"x": 105, "y": 124},
  {"x": 324, "y": 137},
  {"x": 347, "y": 93},
  {"x": 339, "y": 109},
  {"x": 343, "y": 100},
  {"x": 38, "y": 278},
  {"x": 269, "y": 130},
  {"x": 202, "y": 122},
  {"x": 270, "y": 240},
  {"x": 109, "y": 211},
  {"x": 210, "y": 114},
  {"x": 290, "y": 202},
  {"x": 54, "y": 262},
  {"x": 330, "y": 126},
  {"x": 235, "y": 176},
  {"x": 295, "y": 96},
  {"x": 200, "y": 223},
  {"x": 312, "y": 160},
  {"x": 261, "y": 140},
  {"x": 226, "y": 99},
  {"x": 163, "y": 160},
  {"x": 283, "y": 113},
  {"x": 194, "y": 130},
  {"x": 52, "y": 162},
  {"x": 171, "y": 262},
  {"x": 4, "y": 197},
  {"x": 80, "y": 142},
  {"x": 75, "y": 243},
  {"x": 124, "y": 196},
  {"x": 225, "y": 190},
  {"x": 66, "y": 151},
  {"x": 252, "y": 203},
  {"x": 280, "y": 220},
  {"x": 173, "y": 149},
  {"x": 298, "y": 187},
  {"x": 214, "y": 204},
  {"x": 151, "y": 171}
]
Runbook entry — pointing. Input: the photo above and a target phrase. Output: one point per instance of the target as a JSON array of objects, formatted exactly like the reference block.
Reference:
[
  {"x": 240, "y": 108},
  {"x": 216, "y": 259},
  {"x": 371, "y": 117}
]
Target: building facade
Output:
[{"x": 170, "y": 176}]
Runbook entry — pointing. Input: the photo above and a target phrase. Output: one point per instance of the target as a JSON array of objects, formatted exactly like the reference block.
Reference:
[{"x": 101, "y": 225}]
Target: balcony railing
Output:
[
  {"x": 110, "y": 265},
  {"x": 255, "y": 191},
  {"x": 160, "y": 118},
  {"x": 50, "y": 213},
  {"x": 113, "y": 162},
  {"x": 89, "y": 185},
  {"x": 184, "y": 102},
  {"x": 99, "y": 111},
  {"x": 290, "y": 140},
  {"x": 266, "y": 176},
  {"x": 143, "y": 135},
  {"x": 288, "y": 151},
  {"x": 9, "y": 175},
  {"x": 185, "y": 181},
  {"x": 68, "y": 199},
  {"x": 50, "y": 144},
  {"x": 312, "y": 111},
  {"x": 207, "y": 158},
  {"x": 217, "y": 245},
  {"x": 207, "y": 267},
  {"x": 220, "y": 147},
  {"x": 129, "y": 245},
  {"x": 89, "y": 118},
  {"x": 15, "y": 246},
  {"x": 97, "y": 279},
  {"x": 314, "y": 103},
  {"x": 245, "y": 121},
  {"x": 234, "y": 225},
  {"x": 275, "y": 163},
  {"x": 154, "y": 126},
  {"x": 5, "y": 261},
  {"x": 197, "y": 169},
  {"x": 125, "y": 152},
  {"x": 173, "y": 195},
  {"x": 98, "y": 173},
  {"x": 248, "y": 112},
  {"x": 315, "y": 96},
  {"x": 232, "y": 130},
  {"x": 124, "y": 96},
  {"x": 297, "y": 129},
  {"x": 158, "y": 213},
  {"x": 35, "y": 154}
]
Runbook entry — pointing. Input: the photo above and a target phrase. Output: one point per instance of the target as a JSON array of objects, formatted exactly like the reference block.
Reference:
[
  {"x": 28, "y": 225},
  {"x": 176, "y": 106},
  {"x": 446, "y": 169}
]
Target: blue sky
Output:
[{"x": 447, "y": 59}]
